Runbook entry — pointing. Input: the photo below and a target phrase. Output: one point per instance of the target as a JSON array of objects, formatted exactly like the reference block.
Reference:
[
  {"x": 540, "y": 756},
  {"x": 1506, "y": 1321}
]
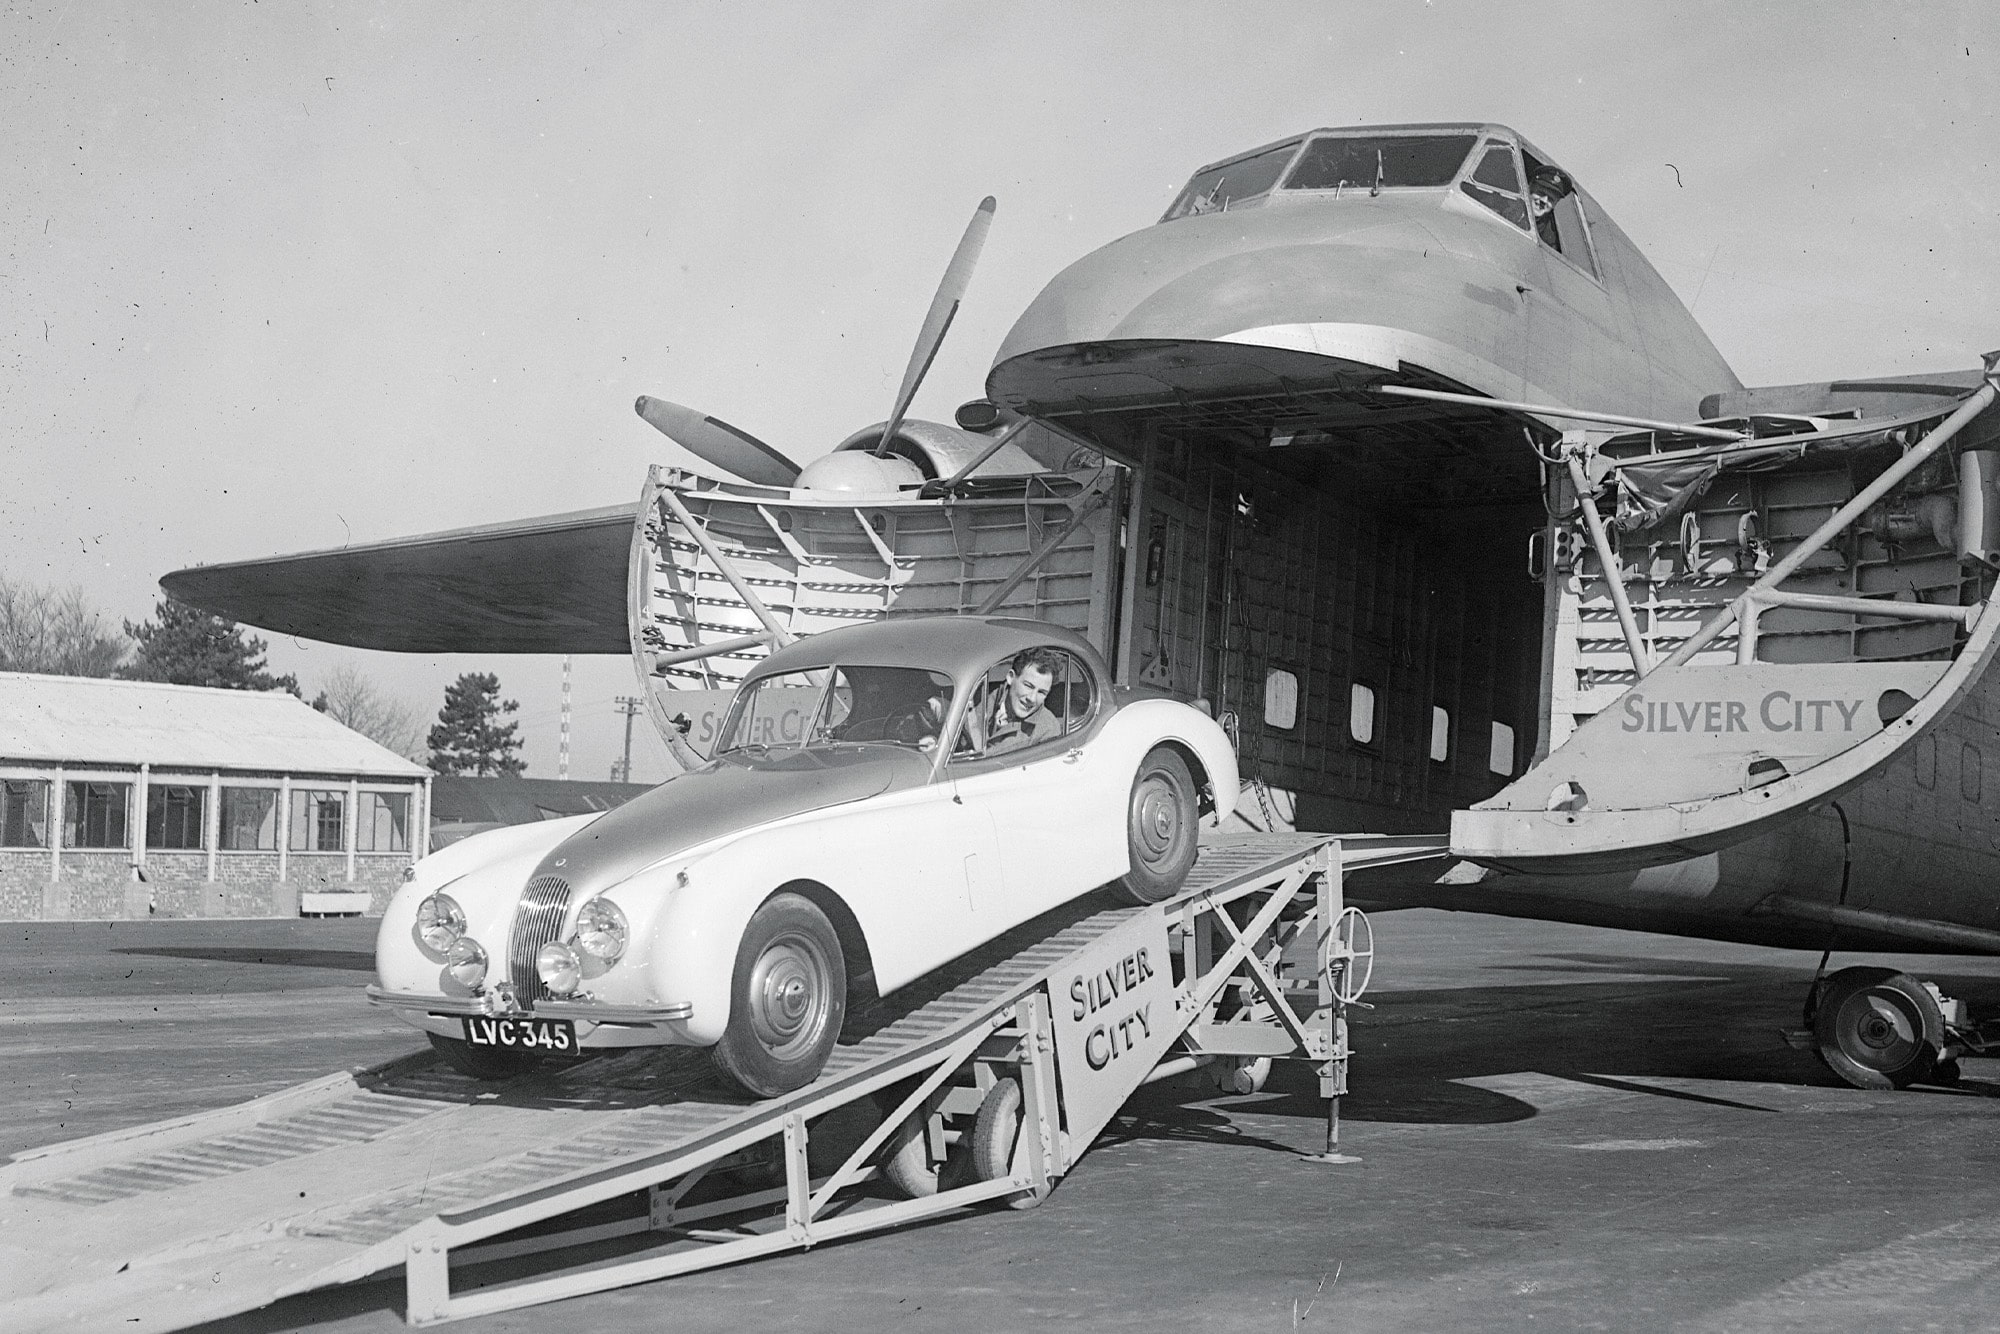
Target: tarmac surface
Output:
[{"x": 1558, "y": 1128}]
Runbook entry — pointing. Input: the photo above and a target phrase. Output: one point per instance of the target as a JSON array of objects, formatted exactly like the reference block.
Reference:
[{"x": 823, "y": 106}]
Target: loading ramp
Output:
[{"x": 640, "y": 1166}]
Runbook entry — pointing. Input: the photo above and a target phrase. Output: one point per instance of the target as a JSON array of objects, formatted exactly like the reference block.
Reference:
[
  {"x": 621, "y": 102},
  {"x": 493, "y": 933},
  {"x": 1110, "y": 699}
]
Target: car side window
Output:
[{"x": 1048, "y": 698}]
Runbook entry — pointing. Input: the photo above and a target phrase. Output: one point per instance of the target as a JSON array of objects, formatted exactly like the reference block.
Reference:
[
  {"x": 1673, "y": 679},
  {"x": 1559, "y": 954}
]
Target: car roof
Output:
[{"x": 958, "y": 645}]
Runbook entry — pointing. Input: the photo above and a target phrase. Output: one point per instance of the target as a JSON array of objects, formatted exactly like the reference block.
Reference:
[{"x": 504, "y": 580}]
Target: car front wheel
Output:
[
  {"x": 1161, "y": 822},
  {"x": 787, "y": 998}
]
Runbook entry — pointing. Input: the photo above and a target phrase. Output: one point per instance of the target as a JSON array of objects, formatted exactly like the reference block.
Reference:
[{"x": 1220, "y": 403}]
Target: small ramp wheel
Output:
[
  {"x": 482, "y": 1062},
  {"x": 995, "y": 1131},
  {"x": 1877, "y": 1029},
  {"x": 1241, "y": 1075},
  {"x": 906, "y": 1161},
  {"x": 1352, "y": 960}
]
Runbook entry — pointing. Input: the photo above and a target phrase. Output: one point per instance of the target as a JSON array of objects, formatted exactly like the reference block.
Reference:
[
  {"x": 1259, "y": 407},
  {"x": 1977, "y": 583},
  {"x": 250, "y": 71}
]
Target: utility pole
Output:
[
  {"x": 628, "y": 705},
  {"x": 562, "y": 745}
]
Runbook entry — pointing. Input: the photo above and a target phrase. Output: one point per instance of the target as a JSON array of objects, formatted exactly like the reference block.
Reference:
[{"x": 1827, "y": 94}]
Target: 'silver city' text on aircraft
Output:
[{"x": 1391, "y": 448}]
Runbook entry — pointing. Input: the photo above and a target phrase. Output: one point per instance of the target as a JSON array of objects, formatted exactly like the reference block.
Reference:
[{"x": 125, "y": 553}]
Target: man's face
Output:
[
  {"x": 1026, "y": 689},
  {"x": 1540, "y": 204}
]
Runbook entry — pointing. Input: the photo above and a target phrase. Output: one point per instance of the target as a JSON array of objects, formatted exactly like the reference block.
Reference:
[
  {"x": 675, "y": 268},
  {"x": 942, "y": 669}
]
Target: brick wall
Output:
[{"x": 100, "y": 884}]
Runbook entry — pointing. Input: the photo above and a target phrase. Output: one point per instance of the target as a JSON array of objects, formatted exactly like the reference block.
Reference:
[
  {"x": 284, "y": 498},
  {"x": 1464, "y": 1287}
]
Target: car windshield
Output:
[
  {"x": 1368, "y": 160},
  {"x": 896, "y": 706}
]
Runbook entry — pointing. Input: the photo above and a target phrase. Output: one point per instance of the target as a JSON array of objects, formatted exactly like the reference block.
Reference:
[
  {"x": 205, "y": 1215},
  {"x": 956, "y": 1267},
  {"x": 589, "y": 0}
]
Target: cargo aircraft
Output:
[{"x": 1389, "y": 446}]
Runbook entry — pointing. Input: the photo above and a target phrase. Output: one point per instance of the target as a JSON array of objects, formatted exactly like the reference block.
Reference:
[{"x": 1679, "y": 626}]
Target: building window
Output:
[
  {"x": 1361, "y": 713},
  {"x": 1440, "y": 734},
  {"x": 175, "y": 817},
  {"x": 384, "y": 822},
  {"x": 249, "y": 819},
  {"x": 96, "y": 815},
  {"x": 24, "y": 813},
  {"x": 316, "y": 821},
  {"x": 1500, "y": 758},
  {"x": 1281, "y": 699}
]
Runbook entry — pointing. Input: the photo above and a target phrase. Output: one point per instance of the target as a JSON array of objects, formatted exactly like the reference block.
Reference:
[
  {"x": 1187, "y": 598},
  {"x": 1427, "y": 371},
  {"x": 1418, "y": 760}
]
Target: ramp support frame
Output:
[{"x": 1236, "y": 986}]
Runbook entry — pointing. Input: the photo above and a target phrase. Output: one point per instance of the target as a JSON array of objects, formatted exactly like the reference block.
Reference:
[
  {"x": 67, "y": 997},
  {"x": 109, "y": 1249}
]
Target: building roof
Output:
[{"x": 82, "y": 721}]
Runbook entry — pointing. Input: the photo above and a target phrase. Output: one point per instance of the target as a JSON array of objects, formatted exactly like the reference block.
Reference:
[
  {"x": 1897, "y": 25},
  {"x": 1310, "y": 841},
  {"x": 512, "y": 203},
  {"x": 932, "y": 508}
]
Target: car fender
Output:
[
  {"x": 698, "y": 925},
  {"x": 1141, "y": 724},
  {"x": 485, "y": 874}
]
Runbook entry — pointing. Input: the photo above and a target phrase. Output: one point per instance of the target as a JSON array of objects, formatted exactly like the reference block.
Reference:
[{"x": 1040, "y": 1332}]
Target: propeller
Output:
[
  {"x": 944, "y": 306},
  {"x": 714, "y": 440},
  {"x": 736, "y": 451}
]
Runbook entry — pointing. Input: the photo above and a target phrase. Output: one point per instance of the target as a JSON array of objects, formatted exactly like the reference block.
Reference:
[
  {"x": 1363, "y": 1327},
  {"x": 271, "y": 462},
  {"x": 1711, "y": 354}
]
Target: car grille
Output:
[{"x": 537, "y": 922}]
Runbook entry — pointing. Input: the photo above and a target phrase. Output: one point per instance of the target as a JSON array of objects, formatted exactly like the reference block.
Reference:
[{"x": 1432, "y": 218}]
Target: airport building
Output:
[{"x": 135, "y": 799}]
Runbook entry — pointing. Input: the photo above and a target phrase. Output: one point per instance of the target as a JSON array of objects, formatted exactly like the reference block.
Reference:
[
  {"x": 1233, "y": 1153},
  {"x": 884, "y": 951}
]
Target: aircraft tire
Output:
[
  {"x": 787, "y": 998},
  {"x": 1162, "y": 823},
  {"x": 482, "y": 1062},
  {"x": 1877, "y": 1028}
]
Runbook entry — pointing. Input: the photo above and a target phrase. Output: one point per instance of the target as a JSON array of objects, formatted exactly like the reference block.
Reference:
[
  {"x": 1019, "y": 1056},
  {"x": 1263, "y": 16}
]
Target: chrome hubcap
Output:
[
  {"x": 789, "y": 989},
  {"x": 1157, "y": 819}
]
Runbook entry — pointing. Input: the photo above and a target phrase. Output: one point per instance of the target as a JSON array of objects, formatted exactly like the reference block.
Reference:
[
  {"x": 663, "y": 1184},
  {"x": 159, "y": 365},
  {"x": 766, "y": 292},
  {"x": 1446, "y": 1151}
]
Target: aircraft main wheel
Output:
[
  {"x": 1161, "y": 824},
  {"x": 995, "y": 1131},
  {"x": 482, "y": 1062},
  {"x": 1877, "y": 1029},
  {"x": 787, "y": 998}
]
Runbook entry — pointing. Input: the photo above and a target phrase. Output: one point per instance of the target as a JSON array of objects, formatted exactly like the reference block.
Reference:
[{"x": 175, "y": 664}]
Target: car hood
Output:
[{"x": 727, "y": 796}]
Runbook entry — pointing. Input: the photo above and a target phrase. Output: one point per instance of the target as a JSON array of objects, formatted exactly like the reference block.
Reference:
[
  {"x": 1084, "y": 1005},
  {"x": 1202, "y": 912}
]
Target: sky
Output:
[{"x": 278, "y": 277}]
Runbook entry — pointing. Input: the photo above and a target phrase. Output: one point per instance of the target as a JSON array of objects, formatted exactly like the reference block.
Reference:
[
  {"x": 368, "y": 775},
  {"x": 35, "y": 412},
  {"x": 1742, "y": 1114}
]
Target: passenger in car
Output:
[{"x": 1020, "y": 716}]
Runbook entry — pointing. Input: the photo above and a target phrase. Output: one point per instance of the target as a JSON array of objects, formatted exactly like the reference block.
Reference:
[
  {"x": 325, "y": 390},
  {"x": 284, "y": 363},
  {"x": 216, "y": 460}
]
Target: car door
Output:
[{"x": 1032, "y": 797}]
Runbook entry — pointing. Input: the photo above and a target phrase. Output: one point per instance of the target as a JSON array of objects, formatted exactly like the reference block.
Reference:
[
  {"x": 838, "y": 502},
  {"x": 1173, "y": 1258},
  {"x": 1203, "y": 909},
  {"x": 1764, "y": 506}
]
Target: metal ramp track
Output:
[{"x": 410, "y": 1164}]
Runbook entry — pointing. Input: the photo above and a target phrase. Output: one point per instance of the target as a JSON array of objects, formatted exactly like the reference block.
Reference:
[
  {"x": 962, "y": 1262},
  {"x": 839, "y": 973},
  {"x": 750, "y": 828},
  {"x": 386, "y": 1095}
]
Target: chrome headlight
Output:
[
  {"x": 466, "y": 962},
  {"x": 559, "y": 968},
  {"x": 440, "y": 922},
  {"x": 601, "y": 930}
]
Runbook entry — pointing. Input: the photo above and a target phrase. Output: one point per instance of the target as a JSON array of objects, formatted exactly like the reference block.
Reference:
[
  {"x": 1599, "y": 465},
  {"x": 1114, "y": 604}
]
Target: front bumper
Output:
[{"x": 583, "y": 1011}]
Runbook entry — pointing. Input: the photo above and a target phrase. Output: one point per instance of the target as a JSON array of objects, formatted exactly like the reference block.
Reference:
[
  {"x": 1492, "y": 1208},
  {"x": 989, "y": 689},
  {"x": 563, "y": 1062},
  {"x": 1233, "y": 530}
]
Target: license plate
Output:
[{"x": 549, "y": 1035}]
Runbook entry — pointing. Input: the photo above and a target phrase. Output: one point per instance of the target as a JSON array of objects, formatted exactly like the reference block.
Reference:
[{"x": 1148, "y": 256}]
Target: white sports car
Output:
[{"x": 882, "y": 799}]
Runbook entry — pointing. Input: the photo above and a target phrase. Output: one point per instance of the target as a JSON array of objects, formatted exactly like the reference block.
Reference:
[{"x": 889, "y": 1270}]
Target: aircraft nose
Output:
[{"x": 1211, "y": 276}]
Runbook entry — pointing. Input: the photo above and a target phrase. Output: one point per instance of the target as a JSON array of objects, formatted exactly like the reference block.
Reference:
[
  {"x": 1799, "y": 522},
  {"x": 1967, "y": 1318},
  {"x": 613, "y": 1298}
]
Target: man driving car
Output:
[{"x": 1019, "y": 717}]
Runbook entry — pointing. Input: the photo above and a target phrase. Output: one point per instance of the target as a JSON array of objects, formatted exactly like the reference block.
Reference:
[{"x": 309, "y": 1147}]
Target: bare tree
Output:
[
  {"x": 349, "y": 698},
  {"x": 55, "y": 631}
]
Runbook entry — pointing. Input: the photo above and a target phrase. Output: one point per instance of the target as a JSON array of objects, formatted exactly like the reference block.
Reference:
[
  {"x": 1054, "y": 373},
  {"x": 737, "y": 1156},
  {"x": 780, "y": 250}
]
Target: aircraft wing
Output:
[{"x": 554, "y": 584}]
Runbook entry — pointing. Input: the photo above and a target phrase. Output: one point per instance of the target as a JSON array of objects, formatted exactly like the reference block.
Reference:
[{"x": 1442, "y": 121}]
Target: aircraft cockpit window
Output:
[
  {"x": 1232, "y": 183},
  {"x": 1371, "y": 161},
  {"x": 1496, "y": 183},
  {"x": 1558, "y": 213}
]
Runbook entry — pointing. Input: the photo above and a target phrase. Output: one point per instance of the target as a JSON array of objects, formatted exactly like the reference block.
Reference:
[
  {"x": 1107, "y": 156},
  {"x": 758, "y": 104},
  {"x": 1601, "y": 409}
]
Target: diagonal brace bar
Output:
[
  {"x": 779, "y": 634},
  {"x": 1852, "y": 510}
]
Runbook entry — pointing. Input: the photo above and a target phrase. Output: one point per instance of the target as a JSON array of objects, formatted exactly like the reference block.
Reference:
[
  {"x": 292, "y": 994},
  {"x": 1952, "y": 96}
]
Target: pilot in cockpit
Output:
[{"x": 1547, "y": 187}]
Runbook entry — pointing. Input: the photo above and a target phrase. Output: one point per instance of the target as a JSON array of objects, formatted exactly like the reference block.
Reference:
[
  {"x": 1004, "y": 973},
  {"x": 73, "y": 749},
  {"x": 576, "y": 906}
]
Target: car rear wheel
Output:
[
  {"x": 483, "y": 1062},
  {"x": 1161, "y": 823},
  {"x": 787, "y": 998}
]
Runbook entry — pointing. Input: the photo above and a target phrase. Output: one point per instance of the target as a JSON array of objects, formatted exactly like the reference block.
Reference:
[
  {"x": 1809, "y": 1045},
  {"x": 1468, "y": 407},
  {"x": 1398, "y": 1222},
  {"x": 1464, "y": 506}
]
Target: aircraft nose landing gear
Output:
[{"x": 1880, "y": 1029}]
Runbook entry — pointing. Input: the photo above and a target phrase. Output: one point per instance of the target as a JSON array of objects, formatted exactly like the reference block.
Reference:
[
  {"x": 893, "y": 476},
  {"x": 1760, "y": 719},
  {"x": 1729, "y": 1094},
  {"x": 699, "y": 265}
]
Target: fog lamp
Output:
[
  {"x": 440, "y": 922},
  {"x": 466, "y": 962},
  {"x": 601, "y": 930},
  {"x": 559, "y": 968}
]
